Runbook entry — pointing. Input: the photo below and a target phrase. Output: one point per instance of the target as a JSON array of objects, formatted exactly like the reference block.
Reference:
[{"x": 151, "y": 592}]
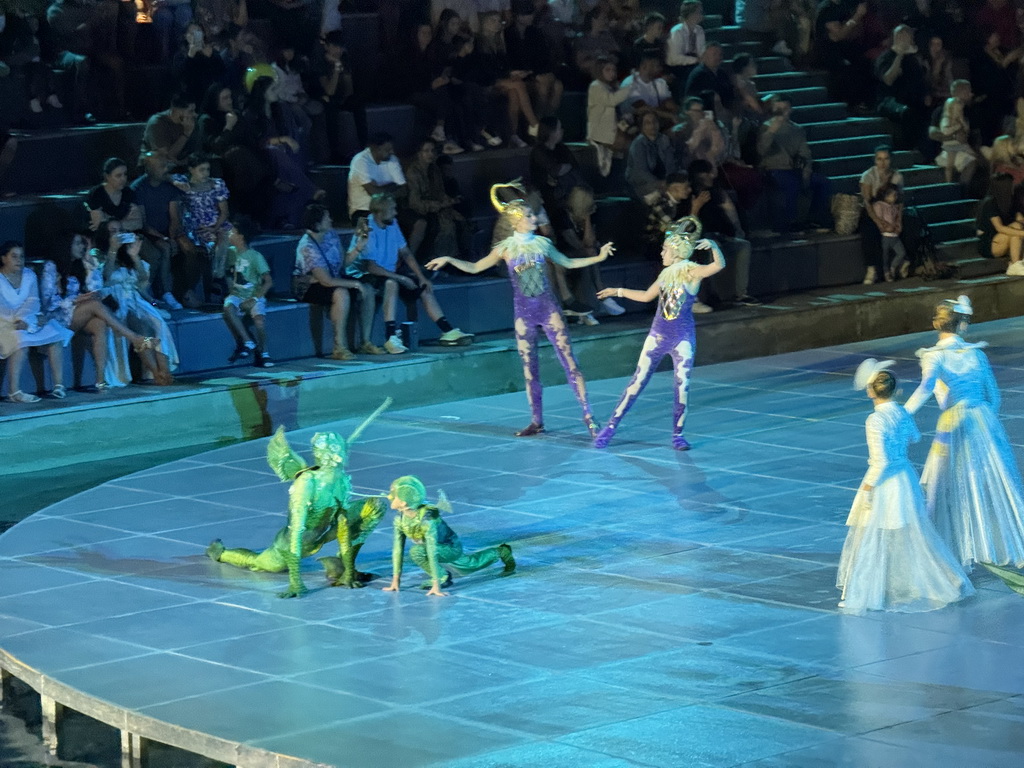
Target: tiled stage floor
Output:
[{"x": 670, "y": 609}]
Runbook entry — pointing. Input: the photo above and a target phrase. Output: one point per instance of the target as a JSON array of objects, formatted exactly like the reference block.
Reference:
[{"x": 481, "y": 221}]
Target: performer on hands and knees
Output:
[
  {"x": 437, "y": 549},
  {"x": 318, "y": 512},
  {"x": 893, "y": 559},
  {"x": 672, "y": 332},
  {"x": 536, "y": 306},
  {"x": 971, "y": 478}
]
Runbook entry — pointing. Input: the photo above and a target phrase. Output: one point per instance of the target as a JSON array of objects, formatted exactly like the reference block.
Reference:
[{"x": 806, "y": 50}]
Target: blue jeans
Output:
[
  {"x": 789, "y": 184},
  {"x": 170, "y": 22}
]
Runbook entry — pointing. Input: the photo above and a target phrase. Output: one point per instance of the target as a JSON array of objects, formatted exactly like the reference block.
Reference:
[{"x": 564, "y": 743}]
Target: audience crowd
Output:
[{"x": 267, "y": 89}]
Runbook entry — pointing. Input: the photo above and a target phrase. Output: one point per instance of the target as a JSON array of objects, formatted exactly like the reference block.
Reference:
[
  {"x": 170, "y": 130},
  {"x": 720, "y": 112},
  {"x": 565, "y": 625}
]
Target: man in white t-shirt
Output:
[
  {"x": 648, "y": 92},
  {"x": 391, "y": 268},
  {"x": 373, "y": 171}
]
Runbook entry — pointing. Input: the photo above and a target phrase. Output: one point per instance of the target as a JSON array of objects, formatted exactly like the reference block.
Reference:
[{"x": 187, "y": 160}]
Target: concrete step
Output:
[
  {"x": 819, "y": 113},
  {"x": 974, "y": 267},
  {"x": 922, "y": 184},
  {"x": 846, "y": 147},
  {"x": 857, "y": 164},
  {"x": 958, "y": 229},
  {"x": 783, "y": 82},
  {"x": 730, "y": 50},
  {"x": 932, "y": 193},
  {"x": 806, "y": 97},
  {"x": 768, "y": 65},
  {"x": 851, "y": 127},
  {"x": 949, "y": 210},
  {"x": 964, "y": 249},
  {"x": 729, "y": 34}
]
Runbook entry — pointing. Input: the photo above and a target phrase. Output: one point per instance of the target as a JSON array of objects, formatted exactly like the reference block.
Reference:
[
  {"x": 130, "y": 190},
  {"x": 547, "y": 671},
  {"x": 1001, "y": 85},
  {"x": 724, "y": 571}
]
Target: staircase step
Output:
[
  {"x": 857, "y": 164},
  {"x": 804, "y": 97},
  {"x": 781, "y": 82},
  {"x": 819, "y": 113},
  {"x": 963, "y": 249},
  {"x": 960, "y": 229},
  {"x": 770, "y": 65},
  {"x": 728, "y": 34},
  {"x": 949, "y": 210},
  {"x": 753, "y": 47},
  {"x": 932, "y": 193},
  {"x": 846, "y": 147},
  {"x": 976, "y": 266},
  {"x": 852, "y": 127}
]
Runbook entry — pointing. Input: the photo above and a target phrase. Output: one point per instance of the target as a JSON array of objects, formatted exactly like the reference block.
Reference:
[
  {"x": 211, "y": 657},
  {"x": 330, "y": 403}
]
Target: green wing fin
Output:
[{"x": 285, "y": 462}]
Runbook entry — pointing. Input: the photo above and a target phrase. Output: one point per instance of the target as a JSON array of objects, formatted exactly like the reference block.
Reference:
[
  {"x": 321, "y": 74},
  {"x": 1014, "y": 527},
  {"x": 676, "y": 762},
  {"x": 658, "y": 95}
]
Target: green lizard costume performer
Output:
[
  {"x": 318, "y": 512},
  {"x": 437, "y": 549}
]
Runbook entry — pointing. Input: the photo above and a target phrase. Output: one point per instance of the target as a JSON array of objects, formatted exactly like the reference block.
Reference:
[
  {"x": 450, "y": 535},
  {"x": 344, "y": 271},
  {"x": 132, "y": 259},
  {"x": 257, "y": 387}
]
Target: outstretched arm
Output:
[
  {"x": 397, "y": 555},
  {"x": 628, "y": 293},
  {"x": 472, "y": 267},
  {"x": 876, "y": 453},
  {"x": 430, "y": 544},
  {"x": 562, "y": 260},
  {"x": 929, "y": 377},
  {"x": 716, "y": 266}
]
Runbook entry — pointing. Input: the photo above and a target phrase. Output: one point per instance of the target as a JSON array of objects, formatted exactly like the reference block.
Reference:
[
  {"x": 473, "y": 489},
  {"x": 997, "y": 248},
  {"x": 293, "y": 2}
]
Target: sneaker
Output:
[
  {"x": 171, "y": 302},
  {"x": 341, "y": 353},
  {"x": 250, "y": 345},
  {"x": 612, "y": 307},
  {"x": 889, "y": 277},
  {"x": 747, "y": 300},
  {"x": 516, "y": 143},
  {"x": 36, "y": 106},
  {"x": 369, "y": 348},
  {"x": 22, "y": 397},
  {"x": 263, "y": 361},
  {"x": 455, "y": 338},
  {"x": 1016, "y": 269},
  {"x": 54, "y": 102},
  {"x": 870, "y": 276},
  {"x": 240, "y": 353},
  {"x": 782, "y": 48},
  {"x": 394, "y": 346},
  {"x": 533, "y": 130},
  {"x": 474, "y": 147},
  {"x": 451, "y": 148},
  {"x": 700, "y": 308},
  {"x": 904, "y": 270},
  {"x": 505, "y": 554},
  {"x": 589, "y": 319},
  {"x": 492, "y": 141},
  {"x": 438, "y": 134},
  {"x": 58, "y": 392}
]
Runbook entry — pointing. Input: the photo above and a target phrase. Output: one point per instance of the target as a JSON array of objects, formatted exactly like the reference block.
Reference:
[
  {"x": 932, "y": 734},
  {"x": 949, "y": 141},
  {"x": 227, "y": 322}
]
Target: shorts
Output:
[
  {"x": 961, "y": 154},
  {"x": 405, "y": 294},
  {"x": 259, "y": 308}
]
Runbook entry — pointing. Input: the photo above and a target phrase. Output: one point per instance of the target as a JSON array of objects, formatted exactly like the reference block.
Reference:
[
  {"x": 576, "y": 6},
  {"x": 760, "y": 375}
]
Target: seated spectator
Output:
[
  {"x": 113, "y": 199},
  {"x": 1007, "y": 157},
  {"x": 437, "y": 228},
  {"x": 126, "y": 281},
  {"x": 554, "y": 170},
  {"x": 650, "y": 161},
  {"x": 70, "y": 291},
  {"x": 652, "y": 41},
  {"x": 784, "y": 153},
  {"x": 173, "y": 131},
  {"x": 218, "y": 15},
  {"x": 159, "y": 203},
  {"x": 957, "y": 154},
  {"x": 465, "y": 10},
  {"x": 238, "y": 52},
  {"x": 872, "y": 182},
  {"x": 603, "y": 131},
  {"x": 197, "y": 63},
  {"x": 939, "y": 70},
  {"x": 578, "y": 241},
  {"x": 1001, "y": 224},
  {"x": 21, "y": 52},
  {"x": 490, "y": 67},
  {"x": 385, "y": 247},
  {"x": 993, "y": 83},
  {"x": 85, "y": 35},
  {"x": 528, "y": 53},
  {"x": 248, "y": 283},
  {"x": 930, "y": 19},
  {"x": 217, "y": 116},
  {"x": 711, "y": 75},
  {"x": 22, "y": 326},
  {"x": 294, "y": 109},
  {"x": 596, "y": 44},
  {"x": 721, "y": 223},
  {"x": 320, "y": 278},
  {"x": 648, "y": 92},
  {"x": 686, "y": 44},
  {"x": 205, "y": 228},
  {"x": 330, "y": 82},
  {"x": 840, "y": 49},
  {"x": 171, "y": 19},
  {"x": 903, "y": 92},
  {"x": 792, "y": 22},
  {"x": 671, "y": 205},
  {"x": 8, "y": 149},
  {"x": 373, "y": 171}
]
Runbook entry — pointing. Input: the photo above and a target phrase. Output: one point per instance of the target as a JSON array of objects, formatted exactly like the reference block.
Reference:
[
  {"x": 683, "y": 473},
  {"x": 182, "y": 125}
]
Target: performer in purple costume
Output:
[
  {"x": 672, "y": 331},
  {"x": 536, "y": 306}
]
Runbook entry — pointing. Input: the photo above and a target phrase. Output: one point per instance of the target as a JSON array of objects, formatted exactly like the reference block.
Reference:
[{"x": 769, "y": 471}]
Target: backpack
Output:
[{"x": 921, "y": 249}]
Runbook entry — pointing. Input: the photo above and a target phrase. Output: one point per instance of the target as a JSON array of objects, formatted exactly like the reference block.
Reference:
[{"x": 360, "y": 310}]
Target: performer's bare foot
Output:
[
  {"x": 505, "y": 553},
  {"x": 215, "y": 550},
  {"x": 533, "y": 429},
  {"x": 680, "y": 443},
  {"x": 604, "y": 437}
]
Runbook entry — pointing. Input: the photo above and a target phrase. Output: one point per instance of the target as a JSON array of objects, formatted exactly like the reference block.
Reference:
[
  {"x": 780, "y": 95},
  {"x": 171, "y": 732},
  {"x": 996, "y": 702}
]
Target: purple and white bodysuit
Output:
[
  {"x": 536, "y": 307},
  {"x": 672, "y": 333}
]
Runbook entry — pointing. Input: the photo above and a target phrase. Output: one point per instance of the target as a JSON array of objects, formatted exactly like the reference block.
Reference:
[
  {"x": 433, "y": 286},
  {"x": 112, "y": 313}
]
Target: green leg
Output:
[
  {"x": 269, "y": 560},
  {"x": 418, "y": 554}
]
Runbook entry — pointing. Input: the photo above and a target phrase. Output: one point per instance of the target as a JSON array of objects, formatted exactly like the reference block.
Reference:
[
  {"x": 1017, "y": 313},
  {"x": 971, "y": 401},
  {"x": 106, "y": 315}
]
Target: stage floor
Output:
[{"x": 670, "y": 609}]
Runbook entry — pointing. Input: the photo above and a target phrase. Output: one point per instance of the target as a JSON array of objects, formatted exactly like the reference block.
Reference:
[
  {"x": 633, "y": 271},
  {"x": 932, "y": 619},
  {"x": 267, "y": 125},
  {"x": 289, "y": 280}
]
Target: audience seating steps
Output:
[
  {"x": 845, "y": 165},
  {"x": 826, "y": 111},
  {"x": 784, "y": 82},
  {"x": 846, "y": 146},
  {"x": 851, "y": 127},
  {"x": 916, "y": 178}
]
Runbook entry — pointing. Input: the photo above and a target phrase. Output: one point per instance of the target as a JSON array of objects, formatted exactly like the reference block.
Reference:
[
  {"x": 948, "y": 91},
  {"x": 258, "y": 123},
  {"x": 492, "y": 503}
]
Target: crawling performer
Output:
[
  {"x": 536, "y": 306},
  {"x": 437, "y": 549},
  {"x": 318, "y": 512},
  {"x": 672, "y": 332}
]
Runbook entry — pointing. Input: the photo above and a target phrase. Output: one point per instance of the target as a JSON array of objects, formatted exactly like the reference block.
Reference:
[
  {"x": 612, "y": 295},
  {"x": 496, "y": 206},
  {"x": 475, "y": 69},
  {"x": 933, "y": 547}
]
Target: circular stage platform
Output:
[{"x": 669, "y": 609}]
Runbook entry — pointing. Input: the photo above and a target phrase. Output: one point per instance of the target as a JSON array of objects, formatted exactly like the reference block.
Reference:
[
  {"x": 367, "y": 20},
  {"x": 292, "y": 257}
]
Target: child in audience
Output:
[
  {"x": 956, "y": 155},
  {"x": 248, "y": 282},
  {"x": 888, "y": 209}
]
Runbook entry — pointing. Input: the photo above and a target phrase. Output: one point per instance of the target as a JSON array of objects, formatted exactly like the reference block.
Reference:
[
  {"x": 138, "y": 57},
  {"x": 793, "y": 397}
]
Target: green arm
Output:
[
  {"x": 430, "y": 544},
  {"x": 397, "y": 550},
  {"x": 285, "y": 462}
]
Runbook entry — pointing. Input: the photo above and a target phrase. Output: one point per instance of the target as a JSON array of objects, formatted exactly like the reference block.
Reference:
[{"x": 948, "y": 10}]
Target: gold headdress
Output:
[
  {"x": 514, "y": 210},
  {"x": 682, "y": 237}
]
